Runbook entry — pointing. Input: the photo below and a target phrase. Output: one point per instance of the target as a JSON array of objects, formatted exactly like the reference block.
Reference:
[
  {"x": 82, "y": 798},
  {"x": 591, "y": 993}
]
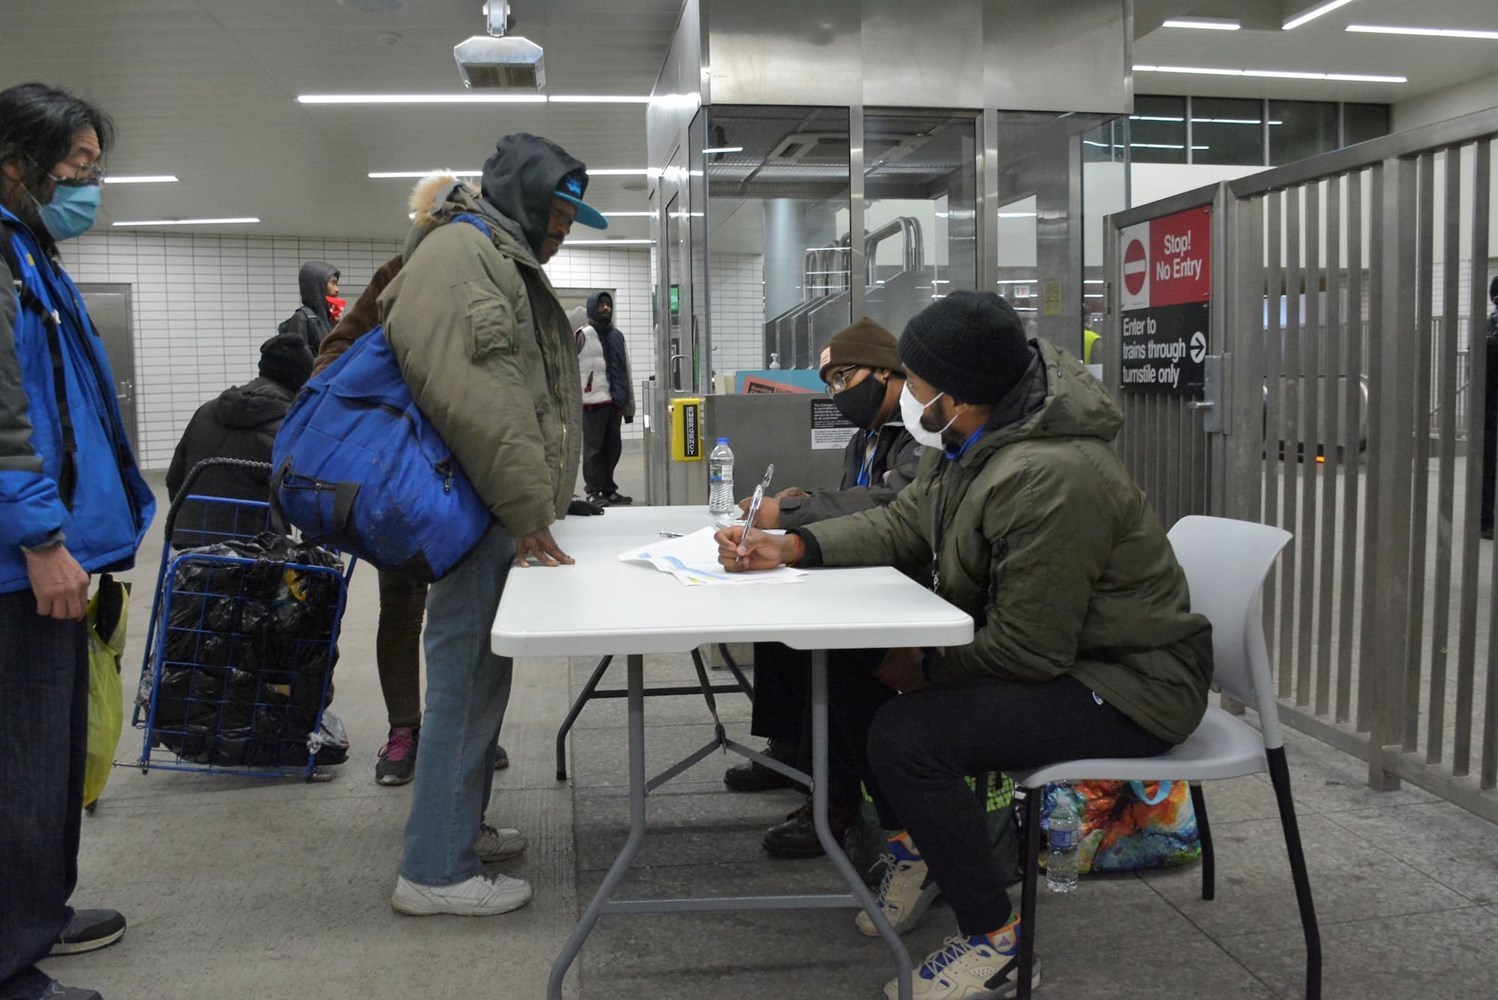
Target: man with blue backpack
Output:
[
  {"x": 488, "y": 355},
  {"x": 72, "y": 503}
]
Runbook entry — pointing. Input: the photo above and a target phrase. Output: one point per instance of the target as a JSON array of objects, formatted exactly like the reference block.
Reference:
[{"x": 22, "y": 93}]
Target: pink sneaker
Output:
[{"x": 397, "y": 764}]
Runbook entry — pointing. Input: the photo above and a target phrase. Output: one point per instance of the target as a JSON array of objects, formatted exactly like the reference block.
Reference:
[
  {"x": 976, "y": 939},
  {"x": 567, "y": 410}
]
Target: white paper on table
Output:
[{"x": 693, "y": 559}]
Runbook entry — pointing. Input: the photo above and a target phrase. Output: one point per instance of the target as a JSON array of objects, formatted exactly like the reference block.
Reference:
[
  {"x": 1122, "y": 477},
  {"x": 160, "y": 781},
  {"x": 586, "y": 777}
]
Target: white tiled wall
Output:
[
  {"x": 203, "y": 305},
  {"x": 738, "y": 311}
]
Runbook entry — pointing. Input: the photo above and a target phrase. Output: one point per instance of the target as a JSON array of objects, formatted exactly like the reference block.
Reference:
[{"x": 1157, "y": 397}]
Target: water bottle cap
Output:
[{"x": 722, "y": 440}]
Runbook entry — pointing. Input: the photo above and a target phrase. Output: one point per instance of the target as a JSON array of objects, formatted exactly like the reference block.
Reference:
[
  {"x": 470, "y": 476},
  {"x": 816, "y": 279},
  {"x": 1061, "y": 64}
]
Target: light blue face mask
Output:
[{"x": 71, "y": 211}]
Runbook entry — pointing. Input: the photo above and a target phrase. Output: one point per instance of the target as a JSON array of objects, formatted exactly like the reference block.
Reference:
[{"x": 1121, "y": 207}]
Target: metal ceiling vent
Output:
[{"x": 499, "y": 62}]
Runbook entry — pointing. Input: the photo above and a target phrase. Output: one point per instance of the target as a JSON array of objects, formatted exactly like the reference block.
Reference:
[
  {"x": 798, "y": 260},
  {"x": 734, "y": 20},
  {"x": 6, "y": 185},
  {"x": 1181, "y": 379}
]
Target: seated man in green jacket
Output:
[{"x": 1085, "y": 644}]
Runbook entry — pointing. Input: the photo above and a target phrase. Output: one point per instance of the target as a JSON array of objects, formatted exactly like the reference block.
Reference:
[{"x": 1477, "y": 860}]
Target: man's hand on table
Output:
[
  {"x": 740, "y": 549},
  {"x": 901, "y": 670},
  {"x": 540, "y": 546}
]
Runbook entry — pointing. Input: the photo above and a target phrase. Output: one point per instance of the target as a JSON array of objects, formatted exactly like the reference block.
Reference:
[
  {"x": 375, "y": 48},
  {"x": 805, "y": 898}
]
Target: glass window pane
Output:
[
  {"x": 1227, "y": 130},
  {"x": 1157, "y": 130},
  {"x": 1301, "y": 129},
  {"x": 777, "y": 217},
  {"x": 1361, "y": 122},
  {"x": 920, "y": 190}
]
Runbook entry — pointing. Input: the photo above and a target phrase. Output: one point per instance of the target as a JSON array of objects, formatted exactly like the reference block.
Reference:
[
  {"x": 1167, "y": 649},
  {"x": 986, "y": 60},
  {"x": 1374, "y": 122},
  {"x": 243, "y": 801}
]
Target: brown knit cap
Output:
[{"x": 866, "y": 344}]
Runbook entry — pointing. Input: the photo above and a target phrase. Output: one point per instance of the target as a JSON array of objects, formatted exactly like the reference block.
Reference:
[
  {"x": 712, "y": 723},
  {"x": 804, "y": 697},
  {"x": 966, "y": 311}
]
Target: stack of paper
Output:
[{"x": 693, "y": 559}]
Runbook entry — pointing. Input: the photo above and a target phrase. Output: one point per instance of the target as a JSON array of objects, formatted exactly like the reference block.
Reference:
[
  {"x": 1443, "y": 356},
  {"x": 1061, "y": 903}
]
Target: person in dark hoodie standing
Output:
[
  {"x": 490, "y": 359},
  {"x": 608, "y": 399},
  {"x": 241, "y": 422},
  {"x": 313, "y": 320},
  {"x": 1085, "y": 644}
]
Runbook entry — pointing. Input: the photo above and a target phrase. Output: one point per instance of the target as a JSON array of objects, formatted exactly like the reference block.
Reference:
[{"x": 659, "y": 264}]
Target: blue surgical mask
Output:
[{"x": 71, "y": 211}]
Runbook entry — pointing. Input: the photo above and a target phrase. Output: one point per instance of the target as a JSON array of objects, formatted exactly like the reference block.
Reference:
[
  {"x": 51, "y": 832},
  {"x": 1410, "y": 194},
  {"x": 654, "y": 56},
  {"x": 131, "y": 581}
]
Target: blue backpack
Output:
[{"x": 357, "y": 466}]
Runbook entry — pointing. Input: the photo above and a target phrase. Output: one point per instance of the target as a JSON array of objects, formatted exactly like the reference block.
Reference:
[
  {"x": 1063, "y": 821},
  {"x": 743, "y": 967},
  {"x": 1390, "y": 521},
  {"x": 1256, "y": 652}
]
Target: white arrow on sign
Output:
[{"x": 1198, "y": 346}]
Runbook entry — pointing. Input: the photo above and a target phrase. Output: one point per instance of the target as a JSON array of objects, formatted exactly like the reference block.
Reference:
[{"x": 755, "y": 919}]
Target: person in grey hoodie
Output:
[{"x": 313, "y": 320}]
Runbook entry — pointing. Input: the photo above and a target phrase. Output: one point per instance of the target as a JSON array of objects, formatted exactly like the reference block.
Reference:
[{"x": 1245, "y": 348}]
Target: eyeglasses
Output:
[
  {"x": 84, "y": 175},
  {"x": 840, "y": 379}
]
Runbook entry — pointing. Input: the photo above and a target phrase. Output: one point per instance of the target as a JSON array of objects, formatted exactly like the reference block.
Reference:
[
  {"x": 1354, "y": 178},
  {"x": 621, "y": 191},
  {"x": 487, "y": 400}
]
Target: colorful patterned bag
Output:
[{"x": 1131, "y": 825}]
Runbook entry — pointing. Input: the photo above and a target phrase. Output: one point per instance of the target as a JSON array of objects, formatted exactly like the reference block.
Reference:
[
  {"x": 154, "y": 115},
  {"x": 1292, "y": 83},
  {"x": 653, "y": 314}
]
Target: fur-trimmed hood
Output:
[{"x": 437, "y": 197}]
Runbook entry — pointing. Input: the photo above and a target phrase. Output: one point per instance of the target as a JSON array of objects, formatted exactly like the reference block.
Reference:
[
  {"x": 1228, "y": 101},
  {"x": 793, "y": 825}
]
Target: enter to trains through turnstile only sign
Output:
[{"x": 1166, "y": 302}]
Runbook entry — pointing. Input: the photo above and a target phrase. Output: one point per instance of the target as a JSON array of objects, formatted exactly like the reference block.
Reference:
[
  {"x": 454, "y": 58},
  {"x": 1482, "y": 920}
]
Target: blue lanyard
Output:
[{"x": 871, "y": 445}]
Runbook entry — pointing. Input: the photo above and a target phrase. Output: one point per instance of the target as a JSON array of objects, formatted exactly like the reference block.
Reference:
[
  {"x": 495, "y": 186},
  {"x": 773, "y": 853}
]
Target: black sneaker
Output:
[
  {"x": 397, "y": 764},
  {"x": 618, "y": 499},
  {"x": 501, "y": 758},
  {"x": 797, "y": 836},
  {"x": 598, "y": 499},
  {"x": 752, "y": 776},
  {"x": 89, "y": 930},
  {"x": 57, "y": 991}
]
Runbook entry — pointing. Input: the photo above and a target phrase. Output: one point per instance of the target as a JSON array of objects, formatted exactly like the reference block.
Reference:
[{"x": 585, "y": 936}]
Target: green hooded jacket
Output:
[
  {"x": 1047, "y": 542},
  {"x": 487, "y": 352}
]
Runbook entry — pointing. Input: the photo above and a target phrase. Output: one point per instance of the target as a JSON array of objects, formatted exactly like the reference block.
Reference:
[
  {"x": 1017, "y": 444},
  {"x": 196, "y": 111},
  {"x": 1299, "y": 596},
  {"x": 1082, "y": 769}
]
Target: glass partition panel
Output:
[{"x": 777, "y": 234}]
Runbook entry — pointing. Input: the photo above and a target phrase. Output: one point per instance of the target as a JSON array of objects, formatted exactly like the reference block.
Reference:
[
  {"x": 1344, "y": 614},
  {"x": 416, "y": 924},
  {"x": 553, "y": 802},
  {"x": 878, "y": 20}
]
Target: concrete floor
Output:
[{"x": 256, "y": 889}]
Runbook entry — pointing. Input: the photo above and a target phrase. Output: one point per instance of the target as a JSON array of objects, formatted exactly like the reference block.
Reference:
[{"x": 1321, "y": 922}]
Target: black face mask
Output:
[{"x": 861, "y": 403}]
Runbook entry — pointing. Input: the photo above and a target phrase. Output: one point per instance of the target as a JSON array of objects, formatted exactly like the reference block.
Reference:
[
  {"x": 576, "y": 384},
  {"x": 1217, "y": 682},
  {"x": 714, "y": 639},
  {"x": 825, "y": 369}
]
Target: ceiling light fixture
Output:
[
  {"x": 1278, "y": 74},
  {"x": 470, "y": 99},
  {"x": 140, "y": 179},
  {"x": 248, "y": 220},
  {"x": 722, "y": 149},
  {"x": 628, "y": 215},
  {"x": 1389, "y": 29},
  {"x": 604, "y": 243},
  {"x": 619, "y": 172},
  {"x": 1310, "y": 15},
  {"x": 1018, "y": 215},
  {"x": 387, "y": 175},
  {"x": 1203, "y": 23}
]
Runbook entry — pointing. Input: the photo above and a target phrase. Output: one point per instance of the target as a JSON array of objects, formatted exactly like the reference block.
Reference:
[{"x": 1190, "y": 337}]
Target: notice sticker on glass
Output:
[{"x": 829, "y": 428}]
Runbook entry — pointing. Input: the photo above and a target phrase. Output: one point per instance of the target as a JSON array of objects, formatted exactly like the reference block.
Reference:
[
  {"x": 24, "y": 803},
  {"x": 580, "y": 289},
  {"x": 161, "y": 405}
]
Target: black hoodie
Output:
[
  {"x": 520, "y": 178},
  {"x": 312, "y": 320}
]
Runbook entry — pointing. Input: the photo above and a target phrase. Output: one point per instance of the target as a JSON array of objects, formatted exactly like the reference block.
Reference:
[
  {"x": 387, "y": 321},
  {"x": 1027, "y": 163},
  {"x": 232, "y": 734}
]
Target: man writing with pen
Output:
[
  {"x": 864, "y": 375},
  {"x": 1084, "y": 642}
]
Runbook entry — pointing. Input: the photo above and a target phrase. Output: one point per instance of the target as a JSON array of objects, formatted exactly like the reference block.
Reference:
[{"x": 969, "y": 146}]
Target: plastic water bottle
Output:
[
  {"x": 1064, "y": 829},
  {"x": 774, "y": 361},
  {"x": 720, "y": 479}
]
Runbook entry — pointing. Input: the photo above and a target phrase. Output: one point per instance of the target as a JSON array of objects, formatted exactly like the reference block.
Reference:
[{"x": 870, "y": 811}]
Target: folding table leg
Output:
[
  {"x": 636, "y": 829},
  {"x": 824, "y": 831},
  {"x": 583, "y": 697}
]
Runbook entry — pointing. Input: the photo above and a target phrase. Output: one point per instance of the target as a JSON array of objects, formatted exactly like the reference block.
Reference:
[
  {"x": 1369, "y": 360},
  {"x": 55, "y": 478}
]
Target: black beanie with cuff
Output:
[{"x": 969, "y": 345}]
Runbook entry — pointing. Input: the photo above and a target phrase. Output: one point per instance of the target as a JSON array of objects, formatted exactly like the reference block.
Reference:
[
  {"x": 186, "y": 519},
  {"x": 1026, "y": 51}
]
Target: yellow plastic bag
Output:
[{"x": 108, "y": 612}]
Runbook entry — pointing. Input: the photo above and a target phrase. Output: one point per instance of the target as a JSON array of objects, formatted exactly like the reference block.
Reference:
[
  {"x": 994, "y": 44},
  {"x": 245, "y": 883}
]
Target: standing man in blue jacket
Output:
[
  {"x": 608, "y": 399},
  {"x": 72, "y": 503}
]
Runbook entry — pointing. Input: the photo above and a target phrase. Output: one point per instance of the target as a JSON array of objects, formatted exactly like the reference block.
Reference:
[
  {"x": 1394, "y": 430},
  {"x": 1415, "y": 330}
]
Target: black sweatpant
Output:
[
  {"x": 921, "y": 745},
  {"x": 602, "y": 445}
]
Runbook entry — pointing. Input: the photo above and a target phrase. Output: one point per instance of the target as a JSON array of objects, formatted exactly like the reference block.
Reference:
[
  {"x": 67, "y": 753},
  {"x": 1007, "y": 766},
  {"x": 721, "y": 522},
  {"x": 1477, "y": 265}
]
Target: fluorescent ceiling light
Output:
[
  {"x": 1280, "y": 74},
  {"x": 1017, "y": 281},
  {"x": 248, "y": 220},
  {"x": 470, "y": 98},
  {"x": 1204, "y": 23},
  {"x": 386, "y": 175},
  {"x": 723, "y": 149},
  {"x": 1017, "y": 215},
  {"x": 628, "y": 215},
  {"x": 1313, "y": 13},
  {"x": 140, "y": 179},
  {"x": 1389, "y": 29},
  {"x": 1203, "y": 121},
  {"x": 603, "y": 243}
]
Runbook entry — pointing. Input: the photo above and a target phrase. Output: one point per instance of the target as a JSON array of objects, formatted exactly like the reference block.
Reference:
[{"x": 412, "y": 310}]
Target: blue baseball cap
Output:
[{"x": 571, "y": 189}]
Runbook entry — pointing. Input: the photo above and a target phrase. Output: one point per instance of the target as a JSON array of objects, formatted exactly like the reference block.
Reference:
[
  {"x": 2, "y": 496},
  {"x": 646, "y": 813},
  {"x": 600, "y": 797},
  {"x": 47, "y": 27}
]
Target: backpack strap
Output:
[
  {"x": 475, "y": 222},
  {"x": 68, "y": 480}
]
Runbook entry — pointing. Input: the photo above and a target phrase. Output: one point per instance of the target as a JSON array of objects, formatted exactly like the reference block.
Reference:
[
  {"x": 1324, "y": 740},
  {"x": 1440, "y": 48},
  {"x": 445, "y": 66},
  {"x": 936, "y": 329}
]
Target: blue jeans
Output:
[
  {"x": 468, "y": 688},
  {"x": 43, "y": 740}
]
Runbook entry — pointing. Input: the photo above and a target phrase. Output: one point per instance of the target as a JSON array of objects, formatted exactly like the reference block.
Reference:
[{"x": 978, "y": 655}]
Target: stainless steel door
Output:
[{"x": 109, "y": 306}]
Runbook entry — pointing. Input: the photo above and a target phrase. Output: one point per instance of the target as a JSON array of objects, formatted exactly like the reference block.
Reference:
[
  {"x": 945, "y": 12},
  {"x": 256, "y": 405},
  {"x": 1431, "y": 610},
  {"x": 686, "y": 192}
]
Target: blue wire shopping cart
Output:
[{"x": 242, "y": 640}]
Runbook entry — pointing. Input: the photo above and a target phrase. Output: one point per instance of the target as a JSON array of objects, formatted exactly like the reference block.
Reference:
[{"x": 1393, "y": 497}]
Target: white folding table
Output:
[{"x": 603, "y": 606}]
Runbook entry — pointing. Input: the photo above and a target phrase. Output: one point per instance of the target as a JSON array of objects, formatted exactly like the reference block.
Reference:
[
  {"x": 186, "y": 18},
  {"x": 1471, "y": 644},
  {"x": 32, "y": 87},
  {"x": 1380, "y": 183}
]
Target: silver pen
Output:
[{"x": 756, "y": 500}]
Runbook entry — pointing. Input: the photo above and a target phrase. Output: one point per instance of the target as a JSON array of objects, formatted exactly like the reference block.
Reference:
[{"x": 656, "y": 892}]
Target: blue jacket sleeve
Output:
[{"x": 31, "y": 510}]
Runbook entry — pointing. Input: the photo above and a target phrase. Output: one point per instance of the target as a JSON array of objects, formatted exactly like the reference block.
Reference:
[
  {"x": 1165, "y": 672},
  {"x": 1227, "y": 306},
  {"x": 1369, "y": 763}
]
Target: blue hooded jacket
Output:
[
  {"x": 621, "y": 391},
  {"x": 110, "y": 506}
]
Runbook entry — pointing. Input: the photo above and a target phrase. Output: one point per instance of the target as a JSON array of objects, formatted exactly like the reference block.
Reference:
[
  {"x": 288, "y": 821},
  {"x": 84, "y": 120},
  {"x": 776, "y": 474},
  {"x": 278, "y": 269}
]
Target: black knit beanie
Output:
[
  {"x": 969, "y": 345},
  {"x": 287, "y": 359}
]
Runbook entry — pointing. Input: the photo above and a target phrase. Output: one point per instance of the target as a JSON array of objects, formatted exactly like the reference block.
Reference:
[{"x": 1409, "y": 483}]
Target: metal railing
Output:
[{"x": 1383, "y": 609}]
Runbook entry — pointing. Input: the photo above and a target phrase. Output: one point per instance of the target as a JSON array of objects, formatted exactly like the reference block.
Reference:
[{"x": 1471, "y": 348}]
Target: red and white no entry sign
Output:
[{"x": 1135, "y": 267}]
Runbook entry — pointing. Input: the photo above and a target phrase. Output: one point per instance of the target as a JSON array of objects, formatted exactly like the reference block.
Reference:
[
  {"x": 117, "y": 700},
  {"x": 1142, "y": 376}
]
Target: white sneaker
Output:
[
  {"x": 904, "y": 895},
  {"x": 480, "y": 896},
  {"x": 498, "y": 843},
  {"x": 968, "y": 969}
]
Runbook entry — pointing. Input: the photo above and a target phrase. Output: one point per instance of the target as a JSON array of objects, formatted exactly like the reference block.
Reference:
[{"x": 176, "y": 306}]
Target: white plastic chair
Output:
[{"x": 1226, "y": 562}]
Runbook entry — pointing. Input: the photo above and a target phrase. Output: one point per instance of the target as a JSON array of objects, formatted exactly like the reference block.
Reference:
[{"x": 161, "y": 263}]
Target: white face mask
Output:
[{"x": 911, "y": 411}]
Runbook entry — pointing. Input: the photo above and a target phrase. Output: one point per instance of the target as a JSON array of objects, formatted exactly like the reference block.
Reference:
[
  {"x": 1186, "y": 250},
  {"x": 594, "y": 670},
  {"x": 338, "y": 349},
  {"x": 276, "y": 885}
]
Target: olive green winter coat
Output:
[
  {"x": 1048, "y": 543},
  {"x": 488, "y": 354}
]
